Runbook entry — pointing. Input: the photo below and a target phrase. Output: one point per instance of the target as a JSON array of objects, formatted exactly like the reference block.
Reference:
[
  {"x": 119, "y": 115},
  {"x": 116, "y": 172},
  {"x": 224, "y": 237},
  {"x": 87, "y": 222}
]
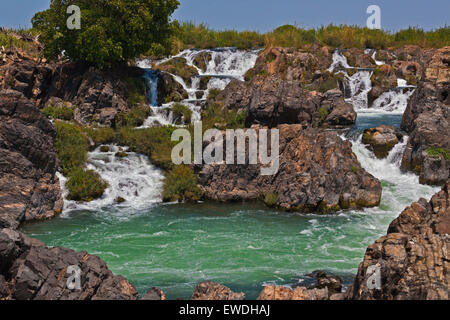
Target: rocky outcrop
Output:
[
  {"x": 170, "y": 90},
  {"x": 427, "y": 119},
  {"x": 287, "y": 87},
  {"x": 318, "y": 172},
  {"x": 214, "y": 291},
  {"x": 29, "y": 189},
  {"x": 31, "y": 271},
  {"x": 98, "y": 96},
  {"x": 382, "y": 139},
  {"x": 412, "y": 262},
  {"x": 299, "y": 293}
]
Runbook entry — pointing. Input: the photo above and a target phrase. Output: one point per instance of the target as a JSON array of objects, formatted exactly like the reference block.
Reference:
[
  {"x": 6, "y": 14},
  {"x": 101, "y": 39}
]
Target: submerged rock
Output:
[
  {"x": 412, "y": 261},
  {"x": 33, "y": 271},
  {"x": 214, "y": 291},
  {"x": 29, "y": 188},
  {"x": 382, "y": 139},
  {"x": 318, "y": 172}
]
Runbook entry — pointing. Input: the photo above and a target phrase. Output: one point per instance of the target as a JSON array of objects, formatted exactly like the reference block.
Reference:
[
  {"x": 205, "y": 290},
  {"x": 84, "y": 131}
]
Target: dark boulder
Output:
[
  {"x": 33, "y": 271},
  {"x": 29, "y": 188}
]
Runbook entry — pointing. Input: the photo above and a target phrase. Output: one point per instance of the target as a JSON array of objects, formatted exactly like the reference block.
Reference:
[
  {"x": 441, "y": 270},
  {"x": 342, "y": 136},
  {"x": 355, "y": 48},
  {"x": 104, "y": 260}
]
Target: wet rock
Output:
[
  {"x": 154, "y": 294},
  {"x": 214, "y": 291},
  {"x": 170, "y": 90},
  {"x": 36, "y": 272},
  {"x": 120, "y": 200},
  {"x": 202, "y": 60},
  {"x": 179, "y": 67},
  {"x": 381, "y": 140},
  {"x": 322, "y": 280},
  {"x": 358, "y": 58},
  {"x": 427, "y": 119},
  {"x": 383, "y": 79},
  {"x": 299, "y": 293},
  {"x": 413, "y": 258},
  {"x": 318, "y": 172},
  {"x": 29, "y": 188}
]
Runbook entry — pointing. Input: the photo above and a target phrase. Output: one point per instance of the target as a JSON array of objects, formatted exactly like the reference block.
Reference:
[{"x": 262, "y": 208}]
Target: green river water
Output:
[{"x": 243, "y": 246}]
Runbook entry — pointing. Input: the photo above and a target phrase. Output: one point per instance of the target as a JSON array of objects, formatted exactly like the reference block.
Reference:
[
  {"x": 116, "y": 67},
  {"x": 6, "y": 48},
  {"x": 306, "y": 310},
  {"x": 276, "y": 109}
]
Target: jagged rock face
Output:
[
  {"x": 31, "y": 271},
  {"x": 25, "y": 74},
  {"x": 413, "y": 258},
  {"x": 99, "y": 96},
  {"x": 382, "y": 139},
  {"x": 29, "y": 189},
  {"x": 318, "y": 172},
  {"x": 214, "y": 291},
  {"x": 299, "y": 293},
  {"x": 427, "y": 120}
]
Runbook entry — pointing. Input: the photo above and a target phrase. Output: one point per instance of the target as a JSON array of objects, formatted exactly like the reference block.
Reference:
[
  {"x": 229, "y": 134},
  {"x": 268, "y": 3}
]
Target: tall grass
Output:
[{"x": 201, "y": 36}]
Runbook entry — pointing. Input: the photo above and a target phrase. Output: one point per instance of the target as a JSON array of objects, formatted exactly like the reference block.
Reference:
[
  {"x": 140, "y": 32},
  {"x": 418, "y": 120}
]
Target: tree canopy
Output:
[{"x": 111, "y": 31}]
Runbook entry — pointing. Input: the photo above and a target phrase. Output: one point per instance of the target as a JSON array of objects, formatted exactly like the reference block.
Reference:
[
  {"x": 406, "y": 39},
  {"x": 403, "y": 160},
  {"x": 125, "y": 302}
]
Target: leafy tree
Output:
[{"x": 112, "y": 31}]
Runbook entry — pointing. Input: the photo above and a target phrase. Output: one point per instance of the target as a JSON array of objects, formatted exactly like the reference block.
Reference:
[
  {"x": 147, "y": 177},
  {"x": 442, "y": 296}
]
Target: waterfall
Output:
[
  {"x": 399, "y": 188},
  {"x": 151, "y": 77},
  {"x": 223, "y": 65},
  {"x": 132, "y": 178},
  {"x": 394, "y": 101},
  {"x": 357, "y": 87}
]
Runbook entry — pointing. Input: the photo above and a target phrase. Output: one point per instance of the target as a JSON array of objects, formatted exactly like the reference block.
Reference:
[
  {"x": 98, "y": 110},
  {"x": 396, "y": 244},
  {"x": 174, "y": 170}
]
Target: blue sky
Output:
[{"x": 264, "y": 15}]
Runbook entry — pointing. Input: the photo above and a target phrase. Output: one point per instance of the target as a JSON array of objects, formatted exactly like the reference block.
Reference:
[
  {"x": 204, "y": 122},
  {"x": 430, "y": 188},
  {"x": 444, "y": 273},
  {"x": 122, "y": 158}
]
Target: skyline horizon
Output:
[{"x": 266, "y": 17}]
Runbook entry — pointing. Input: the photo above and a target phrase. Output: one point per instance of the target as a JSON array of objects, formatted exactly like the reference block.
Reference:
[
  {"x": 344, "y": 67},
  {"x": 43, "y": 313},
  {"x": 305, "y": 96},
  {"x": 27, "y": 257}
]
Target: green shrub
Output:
[
  {"x": 61, "y": 113},
  {"x": 180, "y": 110},
  {"x": 180, "y": 184},
  {"x": 100, "y": 135},
  {"x": 323, "y": 114},
  {"x": 136, "y": 88},
  {"x": 435, "y": 152},
  {"x": 154, "y": 142},
  {"x": 85, "y": 185},
  {"x": 71, "y": 146},
  {"x": 271, "y": 199},
  {"x": 213, "y": 93},
  {"x": 135, "y": 117}
]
